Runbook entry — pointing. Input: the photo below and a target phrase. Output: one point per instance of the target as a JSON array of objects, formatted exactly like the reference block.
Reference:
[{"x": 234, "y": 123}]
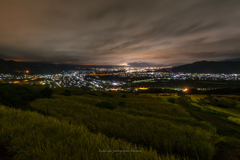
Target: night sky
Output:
[{"x": 119, "y": 32}]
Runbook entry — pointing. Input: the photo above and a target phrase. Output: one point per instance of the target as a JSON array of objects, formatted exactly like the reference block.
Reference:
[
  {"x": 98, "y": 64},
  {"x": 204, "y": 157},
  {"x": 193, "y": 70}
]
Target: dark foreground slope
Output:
[{"x": 80, "y": 123}]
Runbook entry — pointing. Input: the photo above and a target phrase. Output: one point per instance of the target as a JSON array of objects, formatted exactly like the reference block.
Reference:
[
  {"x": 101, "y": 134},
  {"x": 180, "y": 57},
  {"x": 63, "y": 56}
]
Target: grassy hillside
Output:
[
  {"x": 222, "y": 111},
  {"x": 29, "y": 135},
  {"x": 76, "y": 124},
  {"x": 224, "y": 106},
  {"x": 142, "y": 120}
]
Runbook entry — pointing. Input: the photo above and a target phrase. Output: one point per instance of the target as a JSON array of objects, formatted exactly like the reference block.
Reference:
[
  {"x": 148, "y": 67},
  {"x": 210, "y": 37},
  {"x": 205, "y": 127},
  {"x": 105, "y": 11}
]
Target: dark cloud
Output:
[{"x": 119, "y": 32}]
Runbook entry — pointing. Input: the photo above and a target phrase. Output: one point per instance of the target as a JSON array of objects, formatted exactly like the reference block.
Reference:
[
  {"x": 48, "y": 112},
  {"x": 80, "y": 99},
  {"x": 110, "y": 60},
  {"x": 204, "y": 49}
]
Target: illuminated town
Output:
[{"x": 117, "y": 79}]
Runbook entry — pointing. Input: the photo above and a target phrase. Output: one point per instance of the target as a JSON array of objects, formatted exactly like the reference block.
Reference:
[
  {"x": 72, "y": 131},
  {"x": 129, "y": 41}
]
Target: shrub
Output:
[
  {"x": 105, "y": 104},
  {"x": 171, "y": 100},
  {"x": 46, "y": 92},
  {"x": 66, "y": 92},
  {"x": 124, "y": 96},
  {"x": 16, "y": 95}
]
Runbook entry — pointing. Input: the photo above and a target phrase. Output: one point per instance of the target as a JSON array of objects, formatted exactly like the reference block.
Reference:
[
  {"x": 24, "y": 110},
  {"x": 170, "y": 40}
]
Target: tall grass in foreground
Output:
[
  {"x": 176, "y": 120},
  {"x": 30, "y": 135},
  {"x": 234, "y": 120},
  {"x": 142, "y": 103},
  {"x": 163, "y": 135}
]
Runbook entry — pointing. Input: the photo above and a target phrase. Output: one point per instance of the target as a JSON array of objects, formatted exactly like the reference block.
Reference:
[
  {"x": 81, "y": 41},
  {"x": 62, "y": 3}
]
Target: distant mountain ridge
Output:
[
  {"x": 14, "y": 67},
  {"x": 231, "y": 60},
  {"x": 227, "y": 67}
]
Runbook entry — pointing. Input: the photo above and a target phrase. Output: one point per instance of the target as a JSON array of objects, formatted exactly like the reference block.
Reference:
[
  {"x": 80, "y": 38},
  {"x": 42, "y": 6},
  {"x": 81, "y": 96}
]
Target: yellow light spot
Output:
[
  {"x": 16, "y": 82},
  {"x": 113, "y": 89},
  {"x": 143, "y": 88},
  {"x": 98, "y": 74}
]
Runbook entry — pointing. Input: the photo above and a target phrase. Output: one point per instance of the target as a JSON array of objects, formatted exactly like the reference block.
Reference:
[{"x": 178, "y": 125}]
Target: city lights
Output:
[{"x": 118, "y": 79}]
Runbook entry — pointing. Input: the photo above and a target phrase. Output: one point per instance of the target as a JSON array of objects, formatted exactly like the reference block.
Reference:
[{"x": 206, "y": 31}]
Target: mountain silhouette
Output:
[{"x": 226, "y": 67}]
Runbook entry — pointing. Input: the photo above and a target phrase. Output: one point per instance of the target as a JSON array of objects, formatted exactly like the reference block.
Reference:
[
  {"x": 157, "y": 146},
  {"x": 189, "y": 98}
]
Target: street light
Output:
[{"x": 27, "y": 71}]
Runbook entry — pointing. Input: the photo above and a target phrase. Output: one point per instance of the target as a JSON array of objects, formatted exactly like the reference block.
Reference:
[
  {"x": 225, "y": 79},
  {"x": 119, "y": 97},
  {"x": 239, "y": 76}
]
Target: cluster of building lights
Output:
[{"x": 91, "y": 77}]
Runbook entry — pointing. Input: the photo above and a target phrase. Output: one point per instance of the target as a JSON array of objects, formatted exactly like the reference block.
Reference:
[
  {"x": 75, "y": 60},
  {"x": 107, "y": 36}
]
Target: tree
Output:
[
  {"x": 46, "y": 92},
  {"x": 66, "y": 92},
  {"x": 105, "y": 104}
]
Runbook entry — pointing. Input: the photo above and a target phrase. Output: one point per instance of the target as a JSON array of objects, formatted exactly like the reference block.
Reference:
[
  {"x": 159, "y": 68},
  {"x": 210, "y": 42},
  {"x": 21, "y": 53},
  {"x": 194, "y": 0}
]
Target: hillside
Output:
[
  {"x": 78, "y": 124},
  {"x": 227, "y": 67}
]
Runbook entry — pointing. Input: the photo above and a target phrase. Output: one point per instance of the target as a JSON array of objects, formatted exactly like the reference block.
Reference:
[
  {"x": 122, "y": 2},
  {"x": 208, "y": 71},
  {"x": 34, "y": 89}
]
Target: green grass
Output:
[
  {"x": 29, "y": 135},
  {"x": 76, "y": 124},
  {"x": 197, "y": 97},
  {"x": 204, "y": 104},
  {"x": 224, "y": 119},
  {"x": 176, "y": 120},
  {"x": 234, "y": 120},
  {"x": 166, "y": 135}
]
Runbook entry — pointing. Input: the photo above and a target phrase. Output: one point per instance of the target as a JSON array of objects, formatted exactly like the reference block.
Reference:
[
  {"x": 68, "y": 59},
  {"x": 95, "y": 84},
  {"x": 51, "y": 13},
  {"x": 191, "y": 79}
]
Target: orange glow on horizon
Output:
[{"x": 17, "y": 60}]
